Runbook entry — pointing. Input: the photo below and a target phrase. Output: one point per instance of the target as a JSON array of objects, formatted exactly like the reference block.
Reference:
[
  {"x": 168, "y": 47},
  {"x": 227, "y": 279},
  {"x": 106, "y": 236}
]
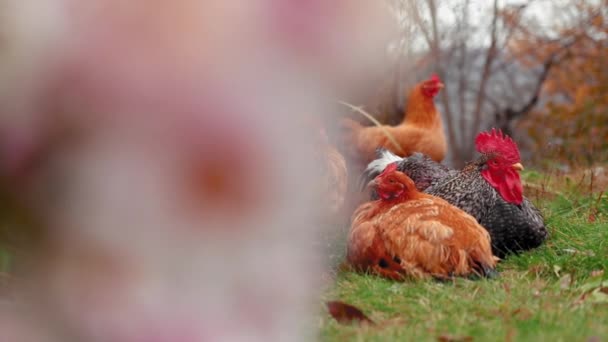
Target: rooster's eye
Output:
[{"x": 392, "y": 181}]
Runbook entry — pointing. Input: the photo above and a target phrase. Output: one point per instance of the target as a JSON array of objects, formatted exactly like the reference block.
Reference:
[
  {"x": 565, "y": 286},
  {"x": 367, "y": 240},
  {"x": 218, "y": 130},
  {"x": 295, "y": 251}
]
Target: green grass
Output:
[{"x": 553, "y": 293}]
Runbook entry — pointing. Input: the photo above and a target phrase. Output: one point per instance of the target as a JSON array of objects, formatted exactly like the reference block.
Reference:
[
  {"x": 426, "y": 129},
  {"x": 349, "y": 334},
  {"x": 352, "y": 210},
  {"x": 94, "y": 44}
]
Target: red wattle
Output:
[{"x": 507, "y": 183}]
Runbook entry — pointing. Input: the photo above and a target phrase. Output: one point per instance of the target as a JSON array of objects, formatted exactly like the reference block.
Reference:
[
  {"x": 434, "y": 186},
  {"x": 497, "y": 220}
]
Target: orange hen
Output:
[
  {"x": 409, "y": 234},
  {"x": 420, "y": 131}
]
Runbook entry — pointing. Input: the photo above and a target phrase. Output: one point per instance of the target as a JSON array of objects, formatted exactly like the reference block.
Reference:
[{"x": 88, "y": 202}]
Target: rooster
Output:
[
  {"x": 488, "y": 188},
  {"x": 420, "y": 131},
  {"x": 410, "y": 234}
]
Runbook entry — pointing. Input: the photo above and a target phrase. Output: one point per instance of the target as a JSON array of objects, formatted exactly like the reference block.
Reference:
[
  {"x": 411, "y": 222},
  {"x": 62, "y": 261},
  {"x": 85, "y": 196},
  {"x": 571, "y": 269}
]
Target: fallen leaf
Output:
[
  {"x": 450, "y": 338},
  {"x": 346, "y": 313}
]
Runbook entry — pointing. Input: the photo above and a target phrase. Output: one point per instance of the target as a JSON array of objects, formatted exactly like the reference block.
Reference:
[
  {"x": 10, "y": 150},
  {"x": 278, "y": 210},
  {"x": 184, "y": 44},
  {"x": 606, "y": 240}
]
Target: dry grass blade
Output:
[
  {"x": 346, "y": 313},
  {"x": 377, "y": 123}
]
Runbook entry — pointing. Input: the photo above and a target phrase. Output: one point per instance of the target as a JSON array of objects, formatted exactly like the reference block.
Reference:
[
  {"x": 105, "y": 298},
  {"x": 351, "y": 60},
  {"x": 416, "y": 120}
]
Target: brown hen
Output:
[
  {"x": 420, "y": 131},
  {"x": 409, "y": 234}
]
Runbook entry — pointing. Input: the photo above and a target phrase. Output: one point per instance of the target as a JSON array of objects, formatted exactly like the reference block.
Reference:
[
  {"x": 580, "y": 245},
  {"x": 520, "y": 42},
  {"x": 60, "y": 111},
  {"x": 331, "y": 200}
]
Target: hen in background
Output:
[
  {"x": 420, "y": 131},
  {"x": 488, "y": 188},
  {"x": 407, "y": 233}
]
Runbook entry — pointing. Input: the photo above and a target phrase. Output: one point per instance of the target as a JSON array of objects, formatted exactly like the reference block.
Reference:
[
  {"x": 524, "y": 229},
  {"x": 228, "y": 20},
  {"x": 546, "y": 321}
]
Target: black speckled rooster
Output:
[{"x": 488, "y": 188}]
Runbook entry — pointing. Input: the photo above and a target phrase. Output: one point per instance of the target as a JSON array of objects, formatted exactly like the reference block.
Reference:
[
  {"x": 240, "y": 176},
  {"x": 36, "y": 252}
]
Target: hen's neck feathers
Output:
[
  {"x": 478, "y": 164},
  {"x": 408, "y": 195},
  {"x": 421, "y": 109},
  {"x": 474, "y": 166}
]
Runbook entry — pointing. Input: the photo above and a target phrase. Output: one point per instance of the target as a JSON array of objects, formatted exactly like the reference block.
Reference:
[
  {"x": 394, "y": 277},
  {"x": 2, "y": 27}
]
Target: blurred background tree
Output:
[
  {"x": 535, "y": 69},
  {"x": 572, "y": 120}
]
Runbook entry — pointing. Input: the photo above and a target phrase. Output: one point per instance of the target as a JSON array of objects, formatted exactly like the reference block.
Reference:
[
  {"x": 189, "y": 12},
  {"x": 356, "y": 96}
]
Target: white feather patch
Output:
[{"x": 378, "y": 165}]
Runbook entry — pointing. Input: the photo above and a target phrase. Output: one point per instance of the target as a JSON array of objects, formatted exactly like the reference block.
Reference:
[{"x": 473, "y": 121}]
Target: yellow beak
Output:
[{"x": 517, "y": 166}]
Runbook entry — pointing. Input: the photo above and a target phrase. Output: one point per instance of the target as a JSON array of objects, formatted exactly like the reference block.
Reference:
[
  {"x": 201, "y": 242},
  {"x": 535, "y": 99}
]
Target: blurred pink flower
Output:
[{"x": 164, "y": 146}]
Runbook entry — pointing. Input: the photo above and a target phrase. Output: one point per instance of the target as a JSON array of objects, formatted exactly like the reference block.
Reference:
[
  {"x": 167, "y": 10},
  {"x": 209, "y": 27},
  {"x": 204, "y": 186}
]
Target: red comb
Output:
[
  {"x": 435, "y": 77},
  {"x": 392, "y": 167},
  {"x": 496, "y": 142}
]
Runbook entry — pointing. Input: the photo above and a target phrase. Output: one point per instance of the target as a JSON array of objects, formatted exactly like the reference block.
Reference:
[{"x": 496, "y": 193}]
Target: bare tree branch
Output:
[
  {"x": 506, "y": 116},
  {"x": 418, "y": 19},
  {"x": 514, "y": 88},
  {"x": 485, "y": 74},
  {"x": 463, "y": 72},
  {"x": 445, "y": 97}
]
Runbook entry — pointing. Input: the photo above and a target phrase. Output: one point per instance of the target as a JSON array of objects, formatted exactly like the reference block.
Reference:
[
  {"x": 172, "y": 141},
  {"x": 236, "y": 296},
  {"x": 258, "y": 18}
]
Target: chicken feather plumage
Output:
[
  {"x": 513, "y": 226},
  {"x": 410, "y": 234},
  {"x": 420, "y": 131}
]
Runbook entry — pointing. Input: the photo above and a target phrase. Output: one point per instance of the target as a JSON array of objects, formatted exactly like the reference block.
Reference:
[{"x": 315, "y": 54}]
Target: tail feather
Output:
[{"x": 384, "y": 157}]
